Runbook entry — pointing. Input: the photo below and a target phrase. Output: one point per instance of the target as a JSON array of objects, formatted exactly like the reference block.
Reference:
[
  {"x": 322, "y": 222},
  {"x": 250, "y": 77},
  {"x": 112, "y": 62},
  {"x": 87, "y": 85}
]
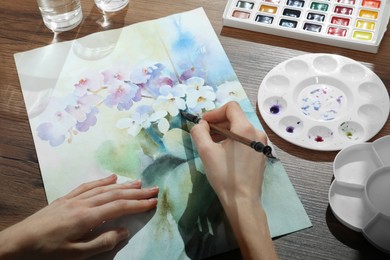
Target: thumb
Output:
[
  {"x": 201, "y": 135},
  {"x": 103, "y": 242}
]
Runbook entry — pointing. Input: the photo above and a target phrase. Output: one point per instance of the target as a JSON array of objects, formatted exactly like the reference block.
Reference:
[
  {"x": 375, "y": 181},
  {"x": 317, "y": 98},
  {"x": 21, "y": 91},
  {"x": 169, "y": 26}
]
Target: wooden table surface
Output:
[{"x": 252, "y": 55}]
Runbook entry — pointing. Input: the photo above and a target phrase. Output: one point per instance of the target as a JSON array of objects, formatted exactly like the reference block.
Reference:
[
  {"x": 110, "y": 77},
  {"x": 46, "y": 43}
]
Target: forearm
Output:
[
  {"x": 250, "y": 226},
  {"x": 12, "y": 243}
]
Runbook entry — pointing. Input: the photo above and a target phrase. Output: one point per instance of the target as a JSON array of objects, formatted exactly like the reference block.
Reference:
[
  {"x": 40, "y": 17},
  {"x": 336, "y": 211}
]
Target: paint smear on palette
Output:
[
  {"x": 320, "y": 135},
  {"x": 275, "y": 109},
  {"x": 290, "y": 129},
  {"x": 322, "y": 103},
  {"x": 351, "y": 130},
  {"x": 348, "y": 132}
]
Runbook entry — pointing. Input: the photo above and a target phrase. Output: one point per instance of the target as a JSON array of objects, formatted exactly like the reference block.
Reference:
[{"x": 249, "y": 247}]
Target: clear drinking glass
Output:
[
  {"x": 60, "y": 15},
  {"x": 111, "y": 5}
]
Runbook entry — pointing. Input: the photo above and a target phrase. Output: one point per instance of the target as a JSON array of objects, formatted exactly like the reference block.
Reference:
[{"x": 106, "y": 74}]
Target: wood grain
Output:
[{"x": 252, "y": 55}]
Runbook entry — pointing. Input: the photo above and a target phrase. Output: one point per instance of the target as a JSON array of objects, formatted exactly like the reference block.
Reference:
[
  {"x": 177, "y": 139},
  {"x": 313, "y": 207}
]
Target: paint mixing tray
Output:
[
  {"x": 353, "y": 24},
  {"x": 323, "y": 101},
  {"x": 360, "y": 196}
]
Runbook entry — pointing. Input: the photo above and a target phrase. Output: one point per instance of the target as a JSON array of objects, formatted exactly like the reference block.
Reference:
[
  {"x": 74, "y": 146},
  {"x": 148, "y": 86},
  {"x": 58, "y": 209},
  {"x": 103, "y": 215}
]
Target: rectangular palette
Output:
[{"x": 353, "y": 24}]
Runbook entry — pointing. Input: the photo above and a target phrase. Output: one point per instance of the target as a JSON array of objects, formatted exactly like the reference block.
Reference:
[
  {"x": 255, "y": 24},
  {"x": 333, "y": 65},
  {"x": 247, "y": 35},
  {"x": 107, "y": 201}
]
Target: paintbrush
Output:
[{"x": 257, "y": 146}]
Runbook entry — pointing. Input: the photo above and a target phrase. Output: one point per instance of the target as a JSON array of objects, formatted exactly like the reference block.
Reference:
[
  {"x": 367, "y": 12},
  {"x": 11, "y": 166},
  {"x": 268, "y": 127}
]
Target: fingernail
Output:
[
  {"x": 109, "y": 178},
  {"x": 123, "y": 233},
  {"x": 135, "y": 182},
  {"x": 155, "y": 200},
  {"x": 155, "y": 188}
]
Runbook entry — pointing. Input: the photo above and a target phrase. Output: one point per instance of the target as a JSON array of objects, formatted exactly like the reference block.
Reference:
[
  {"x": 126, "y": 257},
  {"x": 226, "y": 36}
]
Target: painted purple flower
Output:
[
  {"x": 194, "y": 71},
  {"x": 47, "y": 132},
  {"x": 56, "y": 131},
  {"x": 112, "y": 75},
  {"x": 158, "y": 77},
  {"x": 141, "y": 75},
  {"x": 123, "y": 95},
  {"x": 88, "y": 122},
  {"x": 91, "y": 81},
  {"x": 83, "y": 106}
]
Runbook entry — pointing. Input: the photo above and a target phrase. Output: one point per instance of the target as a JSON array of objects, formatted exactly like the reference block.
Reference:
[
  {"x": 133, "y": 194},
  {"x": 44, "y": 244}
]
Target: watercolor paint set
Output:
[{"x": 352, "y": 24}]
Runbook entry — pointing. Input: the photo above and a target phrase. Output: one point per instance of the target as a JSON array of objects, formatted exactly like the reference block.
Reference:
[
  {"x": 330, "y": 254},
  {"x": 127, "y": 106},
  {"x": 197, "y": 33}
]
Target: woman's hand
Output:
[
  {"x": 234, "y": 170},
  {"x": 63, "y": 228}
]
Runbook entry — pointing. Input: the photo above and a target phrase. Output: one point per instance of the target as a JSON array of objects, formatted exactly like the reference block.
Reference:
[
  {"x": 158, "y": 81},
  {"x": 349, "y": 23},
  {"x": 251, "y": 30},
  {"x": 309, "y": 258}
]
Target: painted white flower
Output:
[
  {"x": 134, "y": 124},
  {"x": 171, "y": 99},
  {"x": 229, "y": 91},
  {"x": 159, "y": 118},
  {"x": 144, "y": 117},
  {"x": 199, "y": 96}
]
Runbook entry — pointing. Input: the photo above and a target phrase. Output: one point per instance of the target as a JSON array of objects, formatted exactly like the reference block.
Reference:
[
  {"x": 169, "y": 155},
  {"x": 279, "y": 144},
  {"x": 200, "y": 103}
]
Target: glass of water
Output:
[
  {"x": 111, "y": 5},
  {"x": 60, "y": 15}
]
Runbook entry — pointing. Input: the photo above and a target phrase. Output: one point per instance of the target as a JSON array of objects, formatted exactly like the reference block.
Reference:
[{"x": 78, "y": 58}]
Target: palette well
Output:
[
  {"x": 353, "y": 24},
  {"x": 359, "y": 195},
  {"x": 323, "y": 101}
]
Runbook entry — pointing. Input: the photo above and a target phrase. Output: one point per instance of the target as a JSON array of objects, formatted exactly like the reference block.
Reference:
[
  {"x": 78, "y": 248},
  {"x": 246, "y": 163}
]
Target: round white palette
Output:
[
  {"x": 360, "y": 195},
  {"x": 323, "y": 101}
]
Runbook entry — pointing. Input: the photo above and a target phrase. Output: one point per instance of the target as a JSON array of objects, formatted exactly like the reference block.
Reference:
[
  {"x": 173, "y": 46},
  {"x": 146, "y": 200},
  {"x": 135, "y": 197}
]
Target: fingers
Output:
[
  {"x": 103, "y": 189},
  {"x": 91, "y": 185},
  {"x": 230, "y": 116},
  {"x": 227, "y": 113},
  {"x": 201, "y": 135},
  {"x": 121, "y": 194},
  {"x": 119, "y": 208},
  {"x": 102, "y": 243}
]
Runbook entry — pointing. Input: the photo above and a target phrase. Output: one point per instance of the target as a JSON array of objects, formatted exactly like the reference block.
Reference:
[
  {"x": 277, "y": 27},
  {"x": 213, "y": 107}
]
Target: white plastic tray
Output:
[
  {"x": 323, "y": 101},
  {"x": 360, "y": 194}
]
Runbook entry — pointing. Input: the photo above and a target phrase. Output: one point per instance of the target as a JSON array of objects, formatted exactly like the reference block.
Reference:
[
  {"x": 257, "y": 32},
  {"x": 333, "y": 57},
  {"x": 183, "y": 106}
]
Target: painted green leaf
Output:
[{"x": 178, "y": 143}]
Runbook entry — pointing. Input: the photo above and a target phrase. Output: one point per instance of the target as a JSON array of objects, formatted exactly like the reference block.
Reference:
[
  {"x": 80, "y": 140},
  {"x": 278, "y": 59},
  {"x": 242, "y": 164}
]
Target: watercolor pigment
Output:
[
  {"x": 296, "y": 3},
  {"x": 340, "y": 21},
  {"x": 240, "y": 14},
  {"x": 365, "y": 25},
  {"x": 292, "y": 13},
  {"x": 275, "y": 109},
  {"x": 368, "y": 14},
  {"x": 361, "y": 35},
  {"x": 245, "y": 5},
  {"x": 290, "y": 129},
  {"x": 264, "y": 19},
  {"x": 371, "y": 3},
  {"x": 316, "y": 17},
  {"x": 319, "y": 6},
  {"x": 268, "y": 9},
  {"x": 350, "y": 24},
  {"x": 337, "y": 31},
  {"x": 288, "y": 23},
  {"x": 343, "y": 10},
  {"x": 312, "y": 27}
]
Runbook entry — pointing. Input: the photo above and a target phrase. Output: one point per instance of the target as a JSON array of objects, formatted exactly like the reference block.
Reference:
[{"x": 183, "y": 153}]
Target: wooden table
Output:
[{"x": 252, "y": 55}]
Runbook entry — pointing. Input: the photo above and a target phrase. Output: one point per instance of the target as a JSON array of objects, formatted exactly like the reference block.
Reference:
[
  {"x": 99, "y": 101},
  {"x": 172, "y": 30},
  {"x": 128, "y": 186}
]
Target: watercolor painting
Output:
[{"x": 119, "y": 113}]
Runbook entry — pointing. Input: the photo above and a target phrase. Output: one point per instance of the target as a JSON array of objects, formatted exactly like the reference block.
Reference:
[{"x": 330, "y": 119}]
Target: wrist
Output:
[
  {"x": 250, "y": 226},
  {"x": 8, "y": 247},
  {"x": 240, "y": 201},
  {"x": 13, "y": 243}
]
